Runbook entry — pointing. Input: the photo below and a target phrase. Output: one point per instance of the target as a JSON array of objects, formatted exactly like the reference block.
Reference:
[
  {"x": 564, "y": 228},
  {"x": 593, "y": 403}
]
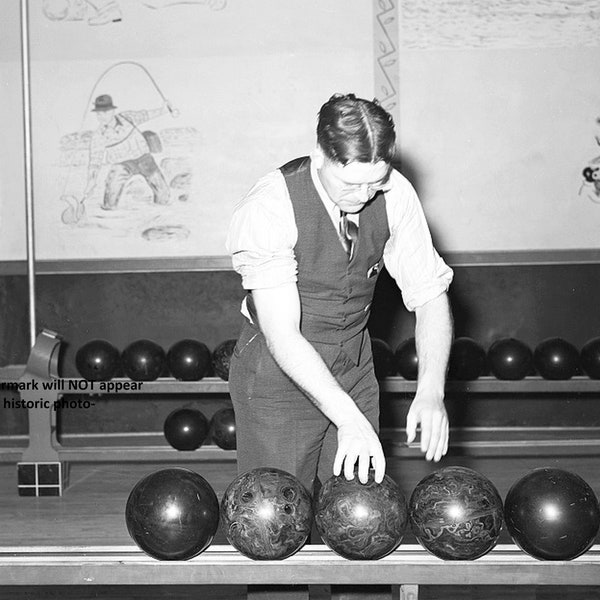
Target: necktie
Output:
[{"x": 348, "y": 234}]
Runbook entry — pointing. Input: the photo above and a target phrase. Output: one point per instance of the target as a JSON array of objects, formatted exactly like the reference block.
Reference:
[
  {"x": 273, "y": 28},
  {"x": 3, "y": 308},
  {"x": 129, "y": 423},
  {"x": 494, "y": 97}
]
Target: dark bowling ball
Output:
[
  {"x": 222, "y": 429},
  {"x": 407, "y": 361},
  {"x": 143, "y": 360},
  {"x": 555, "y": 358},
  {"x": 552, "y": 514},
  {"x": 456, "y": 513},
  {"x": 186, "y": 428},
  {"x": 590, "y": 358},
  {"x": 172, "y": 514},
  {"x": 221, "y": 358},
  {"x": 510, "y": 359},
  {"x": 98, "y": 360},
  {"x": 361, "y": 521},
  {"x": 189, "y": 360},
  {"x": 383, "y": 358},
  {"x": 467, "y": 360},
  {"x": 266, "y": 514}
]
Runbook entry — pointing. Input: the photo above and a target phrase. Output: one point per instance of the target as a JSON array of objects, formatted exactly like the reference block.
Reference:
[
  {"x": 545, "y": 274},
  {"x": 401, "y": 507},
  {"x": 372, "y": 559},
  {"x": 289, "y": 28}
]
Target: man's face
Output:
[
  {"x": 351, "y": 186},
  {"x": 105, "y": 116}
]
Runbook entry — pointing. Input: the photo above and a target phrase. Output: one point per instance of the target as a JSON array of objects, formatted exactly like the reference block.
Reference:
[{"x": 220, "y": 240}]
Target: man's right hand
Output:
[
  {"x": 278, "y": 311},
  {"x": 358, "y": 441}
]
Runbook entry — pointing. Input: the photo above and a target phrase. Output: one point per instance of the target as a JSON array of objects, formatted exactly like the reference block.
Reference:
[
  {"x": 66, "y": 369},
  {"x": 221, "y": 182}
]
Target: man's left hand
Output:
[{"x": 430, "y": 412}]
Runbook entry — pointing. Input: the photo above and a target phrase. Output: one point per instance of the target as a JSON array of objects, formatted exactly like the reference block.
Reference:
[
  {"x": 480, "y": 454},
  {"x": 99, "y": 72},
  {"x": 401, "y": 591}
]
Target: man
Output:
[
  {"x": 302, "y": 380},
  {"x": 120, "y": 143}
]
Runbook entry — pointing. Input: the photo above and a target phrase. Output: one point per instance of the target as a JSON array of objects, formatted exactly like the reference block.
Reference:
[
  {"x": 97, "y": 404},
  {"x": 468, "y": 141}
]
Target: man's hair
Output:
[{"x": 352, "y": 129}]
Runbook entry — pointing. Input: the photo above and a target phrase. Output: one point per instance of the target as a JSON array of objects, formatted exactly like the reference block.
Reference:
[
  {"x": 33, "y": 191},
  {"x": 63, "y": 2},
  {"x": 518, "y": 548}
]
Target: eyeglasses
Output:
[{"x": 371, "y": 189}]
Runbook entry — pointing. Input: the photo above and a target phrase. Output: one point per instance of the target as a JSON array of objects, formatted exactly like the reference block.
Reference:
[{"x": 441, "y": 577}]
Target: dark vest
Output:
[{"x": 335, "y": 293}]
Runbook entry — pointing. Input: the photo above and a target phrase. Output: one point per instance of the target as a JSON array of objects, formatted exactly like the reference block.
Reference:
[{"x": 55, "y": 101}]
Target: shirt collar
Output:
[{"x": 330, "y": 206}]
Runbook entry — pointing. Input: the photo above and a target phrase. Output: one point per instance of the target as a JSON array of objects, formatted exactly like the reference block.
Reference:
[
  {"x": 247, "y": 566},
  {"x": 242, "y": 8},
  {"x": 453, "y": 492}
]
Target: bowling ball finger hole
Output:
[
  {"x": 288, "y": 494},
  {"x": 288, "y": 510}
]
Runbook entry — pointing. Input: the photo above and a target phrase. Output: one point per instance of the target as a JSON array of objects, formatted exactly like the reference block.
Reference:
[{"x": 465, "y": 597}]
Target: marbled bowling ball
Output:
[
  {"x": 221, "y": 358},
  {"x": 456, "y": 513},
  {"x": 266, "y": 514},
  {"x": 172, "y": 514},
  {"x": 552, "y": 514},
  {"x": 361, "y": 521}
]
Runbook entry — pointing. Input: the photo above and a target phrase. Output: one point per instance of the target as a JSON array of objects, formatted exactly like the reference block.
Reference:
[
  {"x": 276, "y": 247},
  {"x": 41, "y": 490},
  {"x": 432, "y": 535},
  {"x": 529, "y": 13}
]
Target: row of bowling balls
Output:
[
  {"x": 145, "y": 360},
  {"x": 506, "y": 358},
  {"x": 188, "y": 428},
  {"x": 455, "y": 513}
]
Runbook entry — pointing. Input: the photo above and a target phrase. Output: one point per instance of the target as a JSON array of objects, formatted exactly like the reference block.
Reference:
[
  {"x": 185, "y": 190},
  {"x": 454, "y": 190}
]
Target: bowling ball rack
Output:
[
  {"x": 408, "y": 568},
  {"x": 44, "y": 446}
]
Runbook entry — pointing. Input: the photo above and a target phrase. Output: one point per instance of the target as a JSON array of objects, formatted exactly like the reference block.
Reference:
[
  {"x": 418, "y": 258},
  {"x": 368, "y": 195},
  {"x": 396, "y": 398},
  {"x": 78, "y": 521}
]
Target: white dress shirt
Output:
[{"x": 263, "y": 233}]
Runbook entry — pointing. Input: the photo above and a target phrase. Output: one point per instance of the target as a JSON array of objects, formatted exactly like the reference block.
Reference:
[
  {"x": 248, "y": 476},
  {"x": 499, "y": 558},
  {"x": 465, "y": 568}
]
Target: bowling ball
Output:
[
  {"x": 97, "y": 360},
  {"x": 383, "y": 358},
  {"x": 143, "y": 360},
  {"x": 186, "y": 428},
  {"x": 172, "y": 514},
  {"x": 221, "y": 357},
  {"x": 552, "y": 514},
  {"x": 266, "y": 514},
  {"x": 456, "y": 513},
  {"x": 590, "y": 358},
  {"x": 361, "y": 521},
  {"x": 222, "y": 429},
  {"x": 467, "y": 360},
  {"x": 555, "y": 358},
  {"x": 407, "y": 361},
  {"x": 510, "y": 359},
  {"x": 188, "y": 360}
]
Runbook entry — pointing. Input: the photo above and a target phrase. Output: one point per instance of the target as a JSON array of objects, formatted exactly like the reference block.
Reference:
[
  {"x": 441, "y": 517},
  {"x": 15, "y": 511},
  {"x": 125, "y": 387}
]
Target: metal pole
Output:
[{"x": 28, "y": 168}]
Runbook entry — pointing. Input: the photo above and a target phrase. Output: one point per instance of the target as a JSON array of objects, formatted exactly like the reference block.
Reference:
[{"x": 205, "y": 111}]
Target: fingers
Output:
[
  {"x": 438, "y": 438},
  {"x": 378, "y": 462},
  {"x": 359, "y": 452},
  {"x": 364, "y": 462},
  {"x": 411, "y": 427},
  {"x": 338, "y": 461},
  {"x": 434, "y": 432}
]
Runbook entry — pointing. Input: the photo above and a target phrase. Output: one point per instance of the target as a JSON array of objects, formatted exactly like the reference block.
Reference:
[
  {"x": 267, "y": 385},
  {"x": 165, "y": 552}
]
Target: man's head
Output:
[
  {"x": 356, "y": 144},
  {"x": 352, "y": 129},
  {"x": 104, "y": 108}
]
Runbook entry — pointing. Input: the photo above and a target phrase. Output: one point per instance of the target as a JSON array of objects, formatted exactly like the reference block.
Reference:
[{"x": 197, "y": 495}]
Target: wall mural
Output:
[
  {"x": 126, "y": 168},
  {"x": 495, "y": 104},
  {"x": 152, "y": 118},
  {"x": 104, "y": 12}
]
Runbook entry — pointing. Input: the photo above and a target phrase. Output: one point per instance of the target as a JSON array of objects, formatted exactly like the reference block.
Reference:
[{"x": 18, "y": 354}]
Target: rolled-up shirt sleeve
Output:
[
  {"x": 410, "y": 256},
  {"x": 262, "y": 235}
]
